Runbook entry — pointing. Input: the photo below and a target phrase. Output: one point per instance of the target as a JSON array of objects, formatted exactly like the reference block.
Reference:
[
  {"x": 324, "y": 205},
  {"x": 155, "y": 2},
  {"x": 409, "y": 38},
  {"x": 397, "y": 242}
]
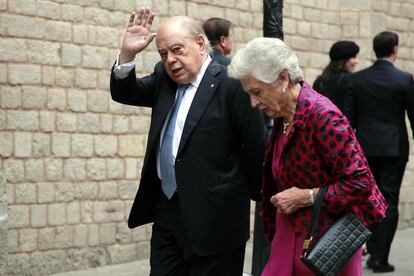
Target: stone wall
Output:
[
  {"x": 3, "y": 226},
  {"x": 71, "y": 156}
]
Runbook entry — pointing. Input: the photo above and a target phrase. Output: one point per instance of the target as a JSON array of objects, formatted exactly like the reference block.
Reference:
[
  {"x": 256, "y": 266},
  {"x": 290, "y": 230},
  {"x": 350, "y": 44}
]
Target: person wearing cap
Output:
[
  {"x": 376, "y": 105},
  {"x": 334, "y": 79}
]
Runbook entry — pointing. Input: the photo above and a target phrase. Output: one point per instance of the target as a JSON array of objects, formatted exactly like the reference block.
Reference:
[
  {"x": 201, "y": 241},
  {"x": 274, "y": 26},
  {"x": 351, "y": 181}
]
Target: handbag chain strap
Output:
[{"x": 316, "y": 210}]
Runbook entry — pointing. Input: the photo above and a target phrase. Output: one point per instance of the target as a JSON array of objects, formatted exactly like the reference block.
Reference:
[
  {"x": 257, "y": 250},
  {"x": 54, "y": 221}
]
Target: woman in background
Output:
[{"x": 333, "y": 82}]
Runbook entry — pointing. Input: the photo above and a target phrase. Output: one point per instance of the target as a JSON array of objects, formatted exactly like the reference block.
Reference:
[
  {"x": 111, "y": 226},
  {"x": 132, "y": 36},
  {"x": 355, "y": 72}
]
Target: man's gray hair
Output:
[
  {"x": 265, "y": 58},
  {"x": 195, "y": 28}
]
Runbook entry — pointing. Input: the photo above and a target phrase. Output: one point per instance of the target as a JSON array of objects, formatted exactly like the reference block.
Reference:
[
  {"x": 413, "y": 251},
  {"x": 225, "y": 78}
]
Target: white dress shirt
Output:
[{"x": 122, "y": 71}]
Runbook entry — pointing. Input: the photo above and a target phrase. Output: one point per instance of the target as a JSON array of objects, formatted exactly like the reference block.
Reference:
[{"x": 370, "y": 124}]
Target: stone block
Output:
[
  {"x": 178, "y": 8},
  {"x": 28, "y": 240},
  {"x": 103, "y": 81},
  {"x": 132, "y": 145},
  {"x": 139, "y": 234},
  {"x": 131, "y": 168},
  {"x": 93, "y": 237},
  {"x": 66, "y": 122},
  {"x": 143, "y": 249},
  {"x": 22, "y": 26},
  {"x": 56, "y": 99},
  {"x": 48, "y": 9},
  {"x": 73, "y": 13},
  {"x": 24, "y": 74},
  {"x": 45, "y": 192},
  {"x": 73, "y": 213},
  {"x": 77, "y": 100},
  {"x": 120, "y": 124},
  {"x": 48, "y": 75},
  {"x": 289, "y": 26},
  {"x": 13, "y": 170},
  {"x": 94, "y": 57},
  {"x": 74, "y": 169},
  {"x": 65, "y": 77},
  {"x": 106, "y": 145},
  {"x": 61, "y": 144},
  {"x": 3, "y": 73},
  {"x": 89, "y": 123},
  {"x": 58, "y": 31},
  {"x": 12, "y": 241},
  {"x": 56, "y": 214},
  {"x": 81, "y": 235},
  {"x": 25, "y": 193},
  {"x": 2, "y": 121},
  {"x": 86, "y": 191},
  {"x": 86, "y": 212},
  {"x": 23, "y": 7},
  {"x": 18, "y": 216},
  {"x": 53, "y": 169},
  {"x": 34, "y": 97},
  {"x": 6, "y": 144},
  {"x": 13, "y": 50},
  {"x": 64, "y": 192},
  {"x": 96, "y": 169},
  {"x": 122, "y": 253},
  {"x": 108, "y": 190},
  {"x": 96, "y": 16},
  {"x": 41, "y": 145},
  {"x": 46, "y": 263},
  {"x": 80, "y": 34},
  {"x": 38, "y": 215},
  {"x": 127, "y": 189},
  {"x": 18, "y": 264},
  {"x": 115, "y": 169},
  {"x": 43, "y": 52},
  {"x": 47, "y": 121},
  {"x": 71, "y": 54},
  {"x": 82, "y": 145},
  {"x": 101, "y": 36},
  {"x": 139, "y": 124},
  {"x": 34, "y": 170},
  {"x": 106, "y": 123},
  {"x": 100, "y": 211},
  {"x": 23, "y": 120},
  {"x": 98, "y": 100},
  {"x": 123, "y": 233},
  {"x": 107, "y": 232},
  {"x": 86, "y": 78}
]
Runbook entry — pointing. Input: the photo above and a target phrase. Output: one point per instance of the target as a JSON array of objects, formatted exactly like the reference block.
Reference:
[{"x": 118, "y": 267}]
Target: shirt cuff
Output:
[{"x": 121, "y": 71}]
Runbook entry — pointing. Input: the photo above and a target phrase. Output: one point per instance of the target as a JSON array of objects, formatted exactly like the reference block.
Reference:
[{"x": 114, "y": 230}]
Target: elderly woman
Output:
[{"x": 312, "y": 145}]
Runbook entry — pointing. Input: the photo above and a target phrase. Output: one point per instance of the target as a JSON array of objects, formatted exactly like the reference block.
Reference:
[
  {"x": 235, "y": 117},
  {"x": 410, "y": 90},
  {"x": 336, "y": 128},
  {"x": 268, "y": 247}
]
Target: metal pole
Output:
[{"x": 272, "y": 27}]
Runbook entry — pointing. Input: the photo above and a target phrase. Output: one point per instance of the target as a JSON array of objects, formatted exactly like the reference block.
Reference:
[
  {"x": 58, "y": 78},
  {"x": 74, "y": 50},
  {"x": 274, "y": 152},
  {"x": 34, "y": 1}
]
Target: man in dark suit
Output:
[
  {"x": 376, "y": 104},
  {"x": 204, "y": 152},
  {"x": 220, "y": 36}
]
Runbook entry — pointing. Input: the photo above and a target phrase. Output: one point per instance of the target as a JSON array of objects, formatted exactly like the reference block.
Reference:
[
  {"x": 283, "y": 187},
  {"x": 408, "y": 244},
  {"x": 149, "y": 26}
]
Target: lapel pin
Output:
[{"x": 212, "y": 85}]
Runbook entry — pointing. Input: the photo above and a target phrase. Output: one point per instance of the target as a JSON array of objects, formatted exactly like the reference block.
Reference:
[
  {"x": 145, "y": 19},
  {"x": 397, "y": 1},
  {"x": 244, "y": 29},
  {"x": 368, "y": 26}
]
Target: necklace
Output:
[{"x": 285, "y": 126}]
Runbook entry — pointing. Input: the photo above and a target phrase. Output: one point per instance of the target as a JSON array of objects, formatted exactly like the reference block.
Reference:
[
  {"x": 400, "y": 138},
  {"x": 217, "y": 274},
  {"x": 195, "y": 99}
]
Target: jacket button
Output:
[{"x": 178, "y": 160}]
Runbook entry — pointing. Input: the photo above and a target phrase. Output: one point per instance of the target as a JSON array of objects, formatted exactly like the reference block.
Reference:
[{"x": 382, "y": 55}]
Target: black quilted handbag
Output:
[{"x": 337, "y": 245}]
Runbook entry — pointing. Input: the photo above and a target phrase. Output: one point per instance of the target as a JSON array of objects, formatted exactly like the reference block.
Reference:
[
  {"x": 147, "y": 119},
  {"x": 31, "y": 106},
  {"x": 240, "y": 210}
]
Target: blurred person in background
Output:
[{"x": 220, "y": 34}]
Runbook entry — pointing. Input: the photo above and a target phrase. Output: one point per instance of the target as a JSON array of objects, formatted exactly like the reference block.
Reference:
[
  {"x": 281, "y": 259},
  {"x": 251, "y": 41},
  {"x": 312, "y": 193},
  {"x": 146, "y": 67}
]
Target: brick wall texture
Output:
[{"x": 71, "y": 157}]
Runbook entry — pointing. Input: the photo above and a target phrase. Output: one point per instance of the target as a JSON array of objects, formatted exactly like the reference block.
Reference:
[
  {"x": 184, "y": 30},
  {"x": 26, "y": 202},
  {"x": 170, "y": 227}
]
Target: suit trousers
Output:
[
  {"x": 388, "y": 173},
  {"x": 171, "y": 252}
]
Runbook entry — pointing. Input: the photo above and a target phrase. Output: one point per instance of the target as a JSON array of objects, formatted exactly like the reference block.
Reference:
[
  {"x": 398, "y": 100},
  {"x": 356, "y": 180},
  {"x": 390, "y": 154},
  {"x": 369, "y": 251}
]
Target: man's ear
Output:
[{"x": 201, "y": 43}]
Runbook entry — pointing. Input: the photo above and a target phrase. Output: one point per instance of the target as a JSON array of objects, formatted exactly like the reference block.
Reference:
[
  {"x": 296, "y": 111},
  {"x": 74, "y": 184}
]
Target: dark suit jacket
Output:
[
  {"x": 220, "y": 58},
  {"x": 334, "y": 88},
  {"x": 376, "y": 104},
  {"x": 219, "y": 160}
]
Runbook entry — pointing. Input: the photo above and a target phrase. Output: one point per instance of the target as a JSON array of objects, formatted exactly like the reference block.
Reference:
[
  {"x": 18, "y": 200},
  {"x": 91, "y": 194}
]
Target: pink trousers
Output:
[{"x": 284, "y": 259}]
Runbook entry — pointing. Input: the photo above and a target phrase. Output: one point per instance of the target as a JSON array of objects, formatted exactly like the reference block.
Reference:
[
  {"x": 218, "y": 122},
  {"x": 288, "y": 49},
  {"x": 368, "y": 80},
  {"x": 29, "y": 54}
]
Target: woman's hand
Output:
[
  {"x": 138, "y": 35},
  {"x": 291, "y": 199}
]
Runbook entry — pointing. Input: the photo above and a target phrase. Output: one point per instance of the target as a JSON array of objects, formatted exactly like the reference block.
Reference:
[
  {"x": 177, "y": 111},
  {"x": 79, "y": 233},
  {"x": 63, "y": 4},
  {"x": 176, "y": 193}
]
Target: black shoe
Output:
[
  {"x": 370, "y": 262},
  {"x": 382, "y": 267}
]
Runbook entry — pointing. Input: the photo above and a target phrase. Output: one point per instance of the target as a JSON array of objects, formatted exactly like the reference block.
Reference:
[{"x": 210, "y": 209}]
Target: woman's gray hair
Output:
[{"x": 265, "y": 58}]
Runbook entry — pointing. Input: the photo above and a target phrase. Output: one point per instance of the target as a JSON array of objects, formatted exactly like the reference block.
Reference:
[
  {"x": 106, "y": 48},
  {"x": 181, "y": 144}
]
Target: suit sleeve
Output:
[
  {"x": 134, "y": 91},
  {"x": 409, "y": 99},
  {"x": 250, "y": 128}
]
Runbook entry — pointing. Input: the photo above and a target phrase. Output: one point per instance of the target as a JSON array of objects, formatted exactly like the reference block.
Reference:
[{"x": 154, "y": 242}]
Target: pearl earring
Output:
[{"x": 284, "y": 89}]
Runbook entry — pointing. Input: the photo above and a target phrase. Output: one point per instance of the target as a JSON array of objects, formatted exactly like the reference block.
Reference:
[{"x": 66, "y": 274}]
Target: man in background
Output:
[
  {"x": 220, "y": 35},
  {"x": 379, "y": 98}
]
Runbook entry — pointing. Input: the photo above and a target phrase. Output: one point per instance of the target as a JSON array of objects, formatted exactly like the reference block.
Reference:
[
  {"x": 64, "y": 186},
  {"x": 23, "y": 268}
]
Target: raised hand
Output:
[{"x": 138, "y": 35}]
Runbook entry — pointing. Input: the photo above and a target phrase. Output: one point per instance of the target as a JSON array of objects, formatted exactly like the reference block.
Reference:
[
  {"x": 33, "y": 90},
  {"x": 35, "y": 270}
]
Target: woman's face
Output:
[
  {"x": 351, "y": 64},
  {"x": 268, "y": 98}
]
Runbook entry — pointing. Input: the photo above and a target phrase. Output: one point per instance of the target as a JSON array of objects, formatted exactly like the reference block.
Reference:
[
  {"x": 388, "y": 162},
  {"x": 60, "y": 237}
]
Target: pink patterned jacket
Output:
[{"x": 321, "y": 150}]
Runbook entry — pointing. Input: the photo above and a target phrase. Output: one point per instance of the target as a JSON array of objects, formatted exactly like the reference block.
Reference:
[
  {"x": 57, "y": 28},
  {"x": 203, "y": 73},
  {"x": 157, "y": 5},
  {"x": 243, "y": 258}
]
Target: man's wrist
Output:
[{"x": 125, "y": 57}]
